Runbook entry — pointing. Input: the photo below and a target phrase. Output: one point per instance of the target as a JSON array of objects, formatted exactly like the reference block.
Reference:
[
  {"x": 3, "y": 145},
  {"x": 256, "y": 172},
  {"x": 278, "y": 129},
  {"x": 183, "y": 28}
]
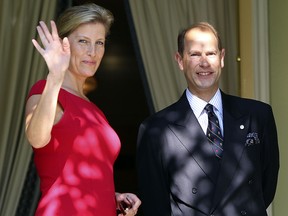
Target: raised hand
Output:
[{"x": 56, "y": 52}]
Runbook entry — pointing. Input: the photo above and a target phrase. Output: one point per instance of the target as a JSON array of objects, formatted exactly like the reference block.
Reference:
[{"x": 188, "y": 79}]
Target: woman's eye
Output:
[
  {"x": 100, "y": 43},
  {"x": 83, "y": 41}
]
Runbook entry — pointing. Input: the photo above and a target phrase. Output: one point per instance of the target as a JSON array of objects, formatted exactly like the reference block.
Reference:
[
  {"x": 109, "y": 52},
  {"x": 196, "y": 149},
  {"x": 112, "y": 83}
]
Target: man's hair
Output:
[{"x": 203, "y": 26}]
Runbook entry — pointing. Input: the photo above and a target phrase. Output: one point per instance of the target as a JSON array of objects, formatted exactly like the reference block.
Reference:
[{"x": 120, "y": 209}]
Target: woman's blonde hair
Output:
[{"x": 75, "y": 16}]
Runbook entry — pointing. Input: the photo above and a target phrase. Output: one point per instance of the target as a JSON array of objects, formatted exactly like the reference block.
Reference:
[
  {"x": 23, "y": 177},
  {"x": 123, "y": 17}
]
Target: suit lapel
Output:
[
  {"x": 236, "y": 126},
  {"x": 190, "y": 134}
]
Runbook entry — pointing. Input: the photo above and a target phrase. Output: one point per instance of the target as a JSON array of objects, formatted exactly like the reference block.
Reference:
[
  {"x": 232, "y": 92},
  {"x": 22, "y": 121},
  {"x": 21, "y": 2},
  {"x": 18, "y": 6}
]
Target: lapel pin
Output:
[{"x": 241, "y": 127}]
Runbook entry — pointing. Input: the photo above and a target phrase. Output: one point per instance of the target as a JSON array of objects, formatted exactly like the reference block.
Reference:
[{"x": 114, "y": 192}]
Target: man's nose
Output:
[{"x": 204, "y": 61}]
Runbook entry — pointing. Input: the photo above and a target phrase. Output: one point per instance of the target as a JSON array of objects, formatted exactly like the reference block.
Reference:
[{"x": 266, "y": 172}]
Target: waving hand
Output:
[{"x": 56, "y": 52}]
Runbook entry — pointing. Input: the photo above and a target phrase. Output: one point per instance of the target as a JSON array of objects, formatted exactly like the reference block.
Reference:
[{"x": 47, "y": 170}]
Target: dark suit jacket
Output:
[{"x": 180, "y": 175}]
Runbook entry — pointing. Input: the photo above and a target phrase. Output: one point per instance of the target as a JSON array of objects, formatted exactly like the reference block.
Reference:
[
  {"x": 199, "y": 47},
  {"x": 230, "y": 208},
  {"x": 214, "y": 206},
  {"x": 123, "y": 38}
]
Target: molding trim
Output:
[{"x": 260, "y": 39}]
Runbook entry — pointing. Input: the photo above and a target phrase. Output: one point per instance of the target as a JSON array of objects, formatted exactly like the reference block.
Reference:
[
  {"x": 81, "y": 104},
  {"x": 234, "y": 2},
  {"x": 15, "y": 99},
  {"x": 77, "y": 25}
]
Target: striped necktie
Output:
[{"x": 214, "y": 132}]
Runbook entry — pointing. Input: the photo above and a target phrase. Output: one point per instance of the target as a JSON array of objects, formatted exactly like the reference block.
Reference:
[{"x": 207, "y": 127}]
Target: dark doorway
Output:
[{"x": 120, "y": 94}]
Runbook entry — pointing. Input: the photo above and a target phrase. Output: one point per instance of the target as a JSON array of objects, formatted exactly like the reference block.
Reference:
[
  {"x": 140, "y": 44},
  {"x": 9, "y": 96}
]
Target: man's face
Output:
[{"x": 201, "y": 62}]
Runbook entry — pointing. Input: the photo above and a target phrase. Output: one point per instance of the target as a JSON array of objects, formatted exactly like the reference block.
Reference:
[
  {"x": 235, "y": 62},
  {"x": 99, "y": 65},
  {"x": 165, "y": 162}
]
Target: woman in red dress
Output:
[{"x": 74, "y": 145}]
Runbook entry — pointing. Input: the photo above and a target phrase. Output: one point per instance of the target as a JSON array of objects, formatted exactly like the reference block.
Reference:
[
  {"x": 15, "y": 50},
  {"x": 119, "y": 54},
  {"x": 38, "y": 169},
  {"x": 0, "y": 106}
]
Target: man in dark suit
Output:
[{"x": 179, "y": 171}]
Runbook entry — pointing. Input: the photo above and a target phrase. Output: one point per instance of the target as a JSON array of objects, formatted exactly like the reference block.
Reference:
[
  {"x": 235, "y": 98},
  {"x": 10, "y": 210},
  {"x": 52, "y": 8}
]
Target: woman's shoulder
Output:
[{"x": 37, "y": 88}]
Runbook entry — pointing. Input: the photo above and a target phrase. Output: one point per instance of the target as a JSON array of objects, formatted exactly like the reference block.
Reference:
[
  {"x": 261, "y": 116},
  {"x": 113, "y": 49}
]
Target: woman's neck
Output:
[{"x": 74, "y": 86}]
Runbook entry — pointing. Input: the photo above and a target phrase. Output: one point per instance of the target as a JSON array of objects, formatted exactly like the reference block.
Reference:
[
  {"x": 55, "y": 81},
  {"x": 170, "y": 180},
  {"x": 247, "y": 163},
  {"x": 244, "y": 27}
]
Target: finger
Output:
[
  {"x": 42, "y": 36},
  {"x": 120, "y": 197},
  {"x": 131, "y": 212},
  {"x": 136, "y": 205},
  {"x": 128, "y": 198},
  {"x": 37, "y": 46},
  {"x": 135, "y": 202},
  {"x": 46, "y": 31},
  {"x": 66, "y": 45},
  {"x": 54, "y": 30}
]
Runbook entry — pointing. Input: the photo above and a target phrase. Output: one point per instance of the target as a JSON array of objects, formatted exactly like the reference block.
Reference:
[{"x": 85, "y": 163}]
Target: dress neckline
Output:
[{"x": 77, "y": 96}]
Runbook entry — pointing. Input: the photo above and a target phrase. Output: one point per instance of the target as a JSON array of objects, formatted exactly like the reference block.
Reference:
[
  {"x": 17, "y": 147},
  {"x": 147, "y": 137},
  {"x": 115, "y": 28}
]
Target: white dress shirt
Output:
[{"x": 198, "y": 105}]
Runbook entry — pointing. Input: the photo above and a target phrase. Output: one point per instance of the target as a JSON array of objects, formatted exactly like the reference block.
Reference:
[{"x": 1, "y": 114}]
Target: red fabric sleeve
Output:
[{"x": 37, "y": 88}]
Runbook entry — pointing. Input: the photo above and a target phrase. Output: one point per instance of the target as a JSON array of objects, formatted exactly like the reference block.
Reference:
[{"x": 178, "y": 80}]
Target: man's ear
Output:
[
  {"x": 179, "y": 60},
  {"x": 222, "y": 57}
]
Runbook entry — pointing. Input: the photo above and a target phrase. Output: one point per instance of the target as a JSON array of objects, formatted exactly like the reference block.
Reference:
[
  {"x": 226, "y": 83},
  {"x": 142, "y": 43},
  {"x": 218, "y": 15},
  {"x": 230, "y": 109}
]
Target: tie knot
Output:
[{"x": 209, "y": 108}]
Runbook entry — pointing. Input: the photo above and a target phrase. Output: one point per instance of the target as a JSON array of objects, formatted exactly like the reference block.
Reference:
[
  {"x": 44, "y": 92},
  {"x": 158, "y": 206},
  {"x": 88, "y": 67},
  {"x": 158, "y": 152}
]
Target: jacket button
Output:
[
  {"x": 243, "y": 213},
  {"x": 194, "y": 190}
]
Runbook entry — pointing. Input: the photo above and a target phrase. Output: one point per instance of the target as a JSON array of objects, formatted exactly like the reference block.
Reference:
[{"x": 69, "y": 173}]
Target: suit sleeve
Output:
[
  {"x": 271, "y": 159},
  {"x": 154, "y": 191}
]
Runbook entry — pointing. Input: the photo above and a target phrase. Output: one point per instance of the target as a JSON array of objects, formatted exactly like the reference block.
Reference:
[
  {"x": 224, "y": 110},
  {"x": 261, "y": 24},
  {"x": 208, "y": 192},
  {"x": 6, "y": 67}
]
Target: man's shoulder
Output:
[
  {"x": 240, "y": 103},
  {"x": 163, "y": 113},
  {"x": 169, "y": 113}
]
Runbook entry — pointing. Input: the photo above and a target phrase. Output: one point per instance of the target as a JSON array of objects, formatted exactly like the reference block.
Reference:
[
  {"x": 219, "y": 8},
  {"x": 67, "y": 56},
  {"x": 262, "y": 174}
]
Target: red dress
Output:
[{"x": 76, "y": 167}]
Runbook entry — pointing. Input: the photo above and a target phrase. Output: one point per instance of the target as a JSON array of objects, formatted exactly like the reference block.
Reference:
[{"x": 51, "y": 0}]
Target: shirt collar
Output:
[
  {"x": 197, "y": 104},
  {"x": 216, "y": 101}
]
